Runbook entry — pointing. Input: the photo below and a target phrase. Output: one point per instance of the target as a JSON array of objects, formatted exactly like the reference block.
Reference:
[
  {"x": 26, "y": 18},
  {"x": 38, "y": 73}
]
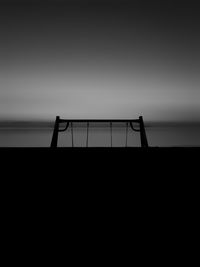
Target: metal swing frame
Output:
[{"x": 58, "y": 121}]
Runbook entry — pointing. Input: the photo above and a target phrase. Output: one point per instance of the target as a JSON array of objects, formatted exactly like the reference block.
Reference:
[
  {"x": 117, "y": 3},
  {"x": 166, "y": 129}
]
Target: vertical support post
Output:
[
  {"x": 111, "y": 134},
  {"x": 143, "y": 137},
  {"x": 54, "y": 140}
]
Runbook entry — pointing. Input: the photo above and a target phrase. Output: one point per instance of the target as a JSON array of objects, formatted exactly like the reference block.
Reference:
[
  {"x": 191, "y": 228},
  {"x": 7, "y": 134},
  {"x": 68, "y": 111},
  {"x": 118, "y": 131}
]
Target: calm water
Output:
[{"x": 157, "y": 136}]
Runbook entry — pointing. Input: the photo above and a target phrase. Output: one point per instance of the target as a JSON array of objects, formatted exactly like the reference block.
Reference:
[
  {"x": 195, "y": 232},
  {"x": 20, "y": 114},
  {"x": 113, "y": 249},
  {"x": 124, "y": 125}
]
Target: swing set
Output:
[{"x": 70, "y": 123}]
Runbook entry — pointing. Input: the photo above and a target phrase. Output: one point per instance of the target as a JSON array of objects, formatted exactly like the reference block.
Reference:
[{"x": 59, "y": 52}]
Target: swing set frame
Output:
[{"x": 58, "y": 121}]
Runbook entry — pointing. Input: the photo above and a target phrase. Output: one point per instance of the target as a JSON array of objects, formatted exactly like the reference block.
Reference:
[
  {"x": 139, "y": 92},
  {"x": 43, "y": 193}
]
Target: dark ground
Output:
[
  {"x": 101, "y": 164},
  {"x": 92, "y": 204},
  {"x": 153, "y": 176},
  {"x": 100, "y": 173}
]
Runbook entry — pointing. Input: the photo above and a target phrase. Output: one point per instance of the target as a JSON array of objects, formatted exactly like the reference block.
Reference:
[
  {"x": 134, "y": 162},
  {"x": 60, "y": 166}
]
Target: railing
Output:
[{"x": 58, "y": 121}]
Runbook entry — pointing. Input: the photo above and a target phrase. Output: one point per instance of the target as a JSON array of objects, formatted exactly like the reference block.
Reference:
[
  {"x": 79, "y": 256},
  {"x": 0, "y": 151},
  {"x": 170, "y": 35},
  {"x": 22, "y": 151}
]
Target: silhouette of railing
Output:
[{"x": 58, "y": 121}]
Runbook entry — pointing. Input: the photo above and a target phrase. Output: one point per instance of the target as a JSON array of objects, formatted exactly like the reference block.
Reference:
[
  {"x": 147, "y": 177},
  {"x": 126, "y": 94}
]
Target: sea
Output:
[{"x": 158, "y": 135}]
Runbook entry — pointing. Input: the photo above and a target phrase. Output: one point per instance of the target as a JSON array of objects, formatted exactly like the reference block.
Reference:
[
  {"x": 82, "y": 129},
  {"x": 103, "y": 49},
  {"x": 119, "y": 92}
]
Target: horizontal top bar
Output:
[{"x": 90, "y": 120}]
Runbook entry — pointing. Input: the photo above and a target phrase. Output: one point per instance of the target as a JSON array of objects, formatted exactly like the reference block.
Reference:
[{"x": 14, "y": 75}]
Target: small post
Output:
[
  {"x": 143, "y": 137},
  {"x": 54, "y": 140}
]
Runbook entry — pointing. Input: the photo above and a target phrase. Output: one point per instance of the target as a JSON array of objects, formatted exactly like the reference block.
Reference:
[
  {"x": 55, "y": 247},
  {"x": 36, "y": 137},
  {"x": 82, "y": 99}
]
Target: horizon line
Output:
[{"x": 46, "y": 124}]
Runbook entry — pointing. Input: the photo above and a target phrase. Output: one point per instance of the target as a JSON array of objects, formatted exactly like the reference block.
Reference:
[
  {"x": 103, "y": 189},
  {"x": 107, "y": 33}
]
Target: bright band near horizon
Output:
[{"x": 99, "y": 59}]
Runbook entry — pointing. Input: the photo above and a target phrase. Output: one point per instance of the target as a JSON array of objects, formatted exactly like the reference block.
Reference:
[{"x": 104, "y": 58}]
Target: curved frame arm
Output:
[
  {"x": 62, "y": 130},
  {"x": 136, "y": 130}
]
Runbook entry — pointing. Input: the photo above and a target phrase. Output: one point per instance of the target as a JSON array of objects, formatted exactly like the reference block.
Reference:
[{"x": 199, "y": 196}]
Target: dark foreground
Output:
[
  {"x": 100, "y": 202},
  {"x": 125, "y": 176},
  {"x": 85, "y": 171},
  {"x": 100, "y": 163}
]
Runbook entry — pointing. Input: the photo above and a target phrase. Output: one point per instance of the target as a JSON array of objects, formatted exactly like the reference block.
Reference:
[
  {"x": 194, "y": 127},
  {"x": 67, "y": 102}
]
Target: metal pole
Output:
[
  {"x": 111, "y": 133},
  {"x": 143, "y": 136},
  {"x": 54, "y": 140}
]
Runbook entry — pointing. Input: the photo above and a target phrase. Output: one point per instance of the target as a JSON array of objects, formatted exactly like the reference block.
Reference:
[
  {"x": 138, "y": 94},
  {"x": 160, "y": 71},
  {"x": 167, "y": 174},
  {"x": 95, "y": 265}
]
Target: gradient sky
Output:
[{"x": 99, "y": 59}]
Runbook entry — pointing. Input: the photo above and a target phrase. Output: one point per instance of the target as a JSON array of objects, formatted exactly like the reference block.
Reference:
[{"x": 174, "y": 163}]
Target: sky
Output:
[{"x": 99, "y": 59}]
